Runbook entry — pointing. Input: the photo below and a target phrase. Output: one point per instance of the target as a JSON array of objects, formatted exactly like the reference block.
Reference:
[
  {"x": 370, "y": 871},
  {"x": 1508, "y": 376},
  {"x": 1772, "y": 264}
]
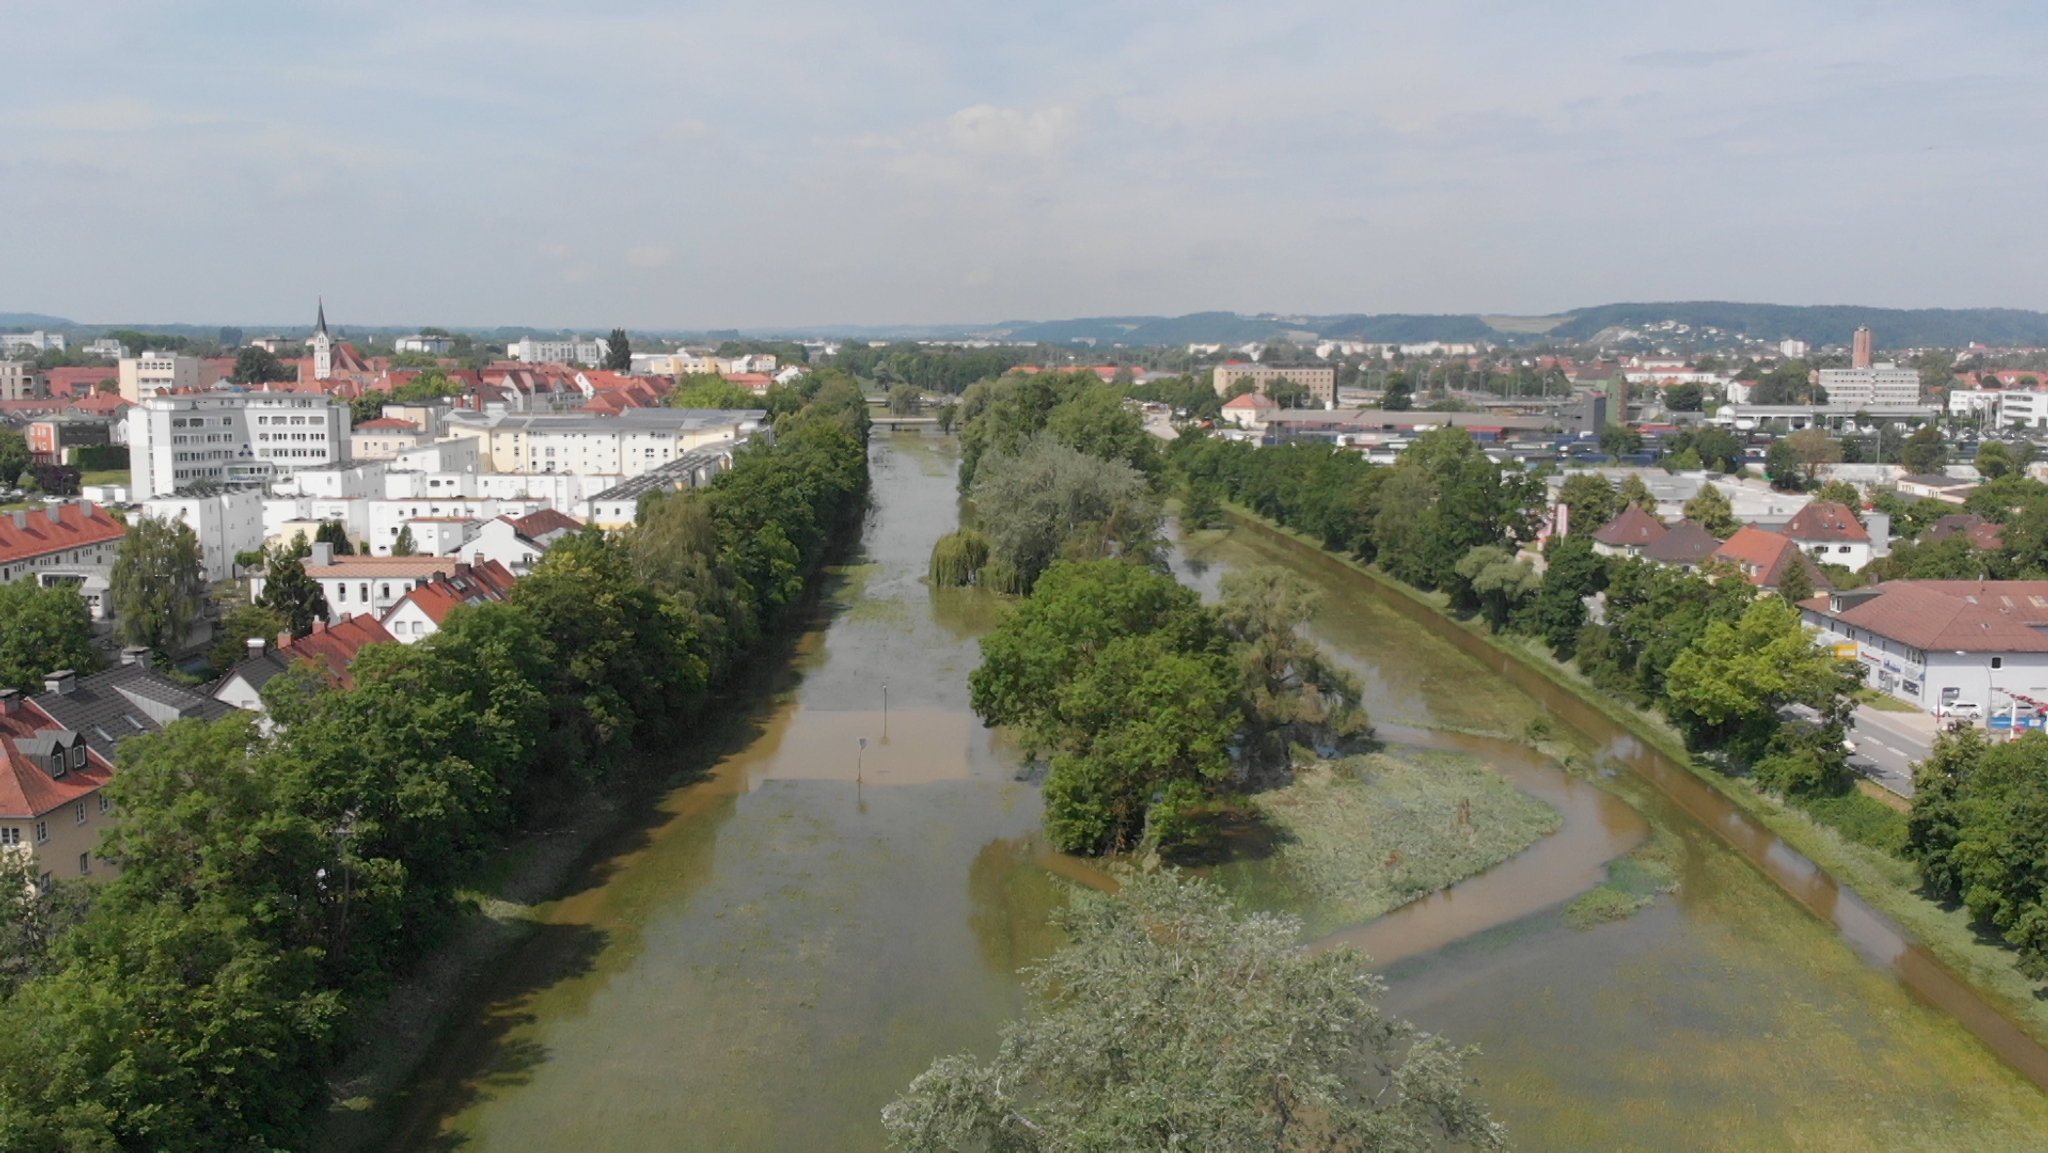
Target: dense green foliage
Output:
[
  {"x": 42, "y": 630},
  {"x": 271, "y": 880},
  {"x": 1171, "y": 1022},
  {"x": 157, "y": 584},
  {"x": 958, "y": 558},
  {"x": 932, "y": 369},
  {"x": 709, "y": 390},
  {"x": 1075, "y": 408},
  {"x": 289, "y": 592},
  {"x": 1979, "y": 830},
  {"x": 1050, "y": 502}
]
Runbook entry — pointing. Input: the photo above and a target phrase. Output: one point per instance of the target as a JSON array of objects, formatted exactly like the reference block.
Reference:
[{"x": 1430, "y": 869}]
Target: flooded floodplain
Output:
[{"x": 848, "y": 896}]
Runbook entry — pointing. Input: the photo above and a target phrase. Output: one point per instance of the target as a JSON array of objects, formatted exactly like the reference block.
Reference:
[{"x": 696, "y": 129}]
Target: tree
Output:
[
  {"x": 1635, "y": 492},
  {"x": 405, "y": 545},
  {"x": 905, "y": 400},
  {"x": 1709, "y": 508},
  {"x": 1592, "y": 502},
  {"x": 1795, "y": 584},
  {"x": 1399, "y": 395},
  {"x": 1171, "y": 1021},
  {"x": 258, "y": 365},
  {"x": 289, "y": 592},
  {"x": 1288, "y": 393},
  {"x": 1574, "y": 573},
  {"x": 948, "y": 413},
  {"x": 1499, "y": 581},
  {"x": 1294, "y": 695},
  {"x": 14, "y": 456},
  {"x": 1051, "y": 501},
  {"x": 1684, "y": 397},
  {"x": 1812, "y": 448},
  {"x": 42, "y": 630},
  {"x": 1979, "y": 832},
  {"x": 1724, "y": 690},
  {"x": 1201, "y": 504},
  {"x": 1685, "y": 460},
  {"x": 1843, "y": 493},
  {"x": 34, "y": 913},
  {"x": 1620, "y": 440},
  {"x": 157, "y": 584},
  {"x": 709, "y": 390},
  {"x": 335, "y": 533},
  {"x": 238, "y": 627},
  {"x": 1242, "y": 386},
  {"x": 618, "y": 351},
  {"x": 1925, "y": 454},
  {"x": 1995, "y": 460}
]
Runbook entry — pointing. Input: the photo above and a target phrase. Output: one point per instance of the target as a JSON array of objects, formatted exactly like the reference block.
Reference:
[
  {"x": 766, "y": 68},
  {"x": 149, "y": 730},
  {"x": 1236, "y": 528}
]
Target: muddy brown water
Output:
[{"x": 792, "y": 939}]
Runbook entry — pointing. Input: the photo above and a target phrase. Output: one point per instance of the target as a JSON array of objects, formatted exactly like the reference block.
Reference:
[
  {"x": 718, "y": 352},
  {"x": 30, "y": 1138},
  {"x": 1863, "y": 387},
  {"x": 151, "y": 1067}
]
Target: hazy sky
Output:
[{"x": 715, "y": 164}]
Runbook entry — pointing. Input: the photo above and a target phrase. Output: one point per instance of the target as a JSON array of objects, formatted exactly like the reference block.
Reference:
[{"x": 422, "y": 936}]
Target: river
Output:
[{"x": 847, "y": 895}]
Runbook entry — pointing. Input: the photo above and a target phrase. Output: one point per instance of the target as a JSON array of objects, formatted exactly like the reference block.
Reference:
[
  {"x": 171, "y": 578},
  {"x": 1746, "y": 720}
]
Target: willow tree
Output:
[
  {"x": 157, "y": 584},
  {"x": 1172, "y": 1022}
]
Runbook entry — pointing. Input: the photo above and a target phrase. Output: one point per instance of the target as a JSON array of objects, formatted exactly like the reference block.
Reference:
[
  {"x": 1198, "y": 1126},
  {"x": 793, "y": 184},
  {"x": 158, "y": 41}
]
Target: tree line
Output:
[{"x": 272, "y": 882}]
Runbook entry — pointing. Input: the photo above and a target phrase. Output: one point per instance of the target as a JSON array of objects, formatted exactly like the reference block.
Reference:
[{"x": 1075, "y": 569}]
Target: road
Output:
[{"x": 1887, "y": 745}]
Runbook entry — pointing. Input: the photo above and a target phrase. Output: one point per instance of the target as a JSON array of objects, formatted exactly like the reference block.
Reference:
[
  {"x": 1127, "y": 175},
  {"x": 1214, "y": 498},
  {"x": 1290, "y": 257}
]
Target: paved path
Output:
[{"x": 1888, "y": 744}]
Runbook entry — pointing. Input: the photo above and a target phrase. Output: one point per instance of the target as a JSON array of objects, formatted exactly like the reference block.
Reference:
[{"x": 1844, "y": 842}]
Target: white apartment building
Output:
[
  {"x": 290, "y": 516},
  {"x": 448, "y": 454},
  {"x": 231, "y": 437},
  {"x": 37, "y": 341},
  {"x": 106, "y": 348},
  {"x": 633, "y": 442},
  {"x": 575, "y": 350},
  {"x": 1879, "y": 386},
  {"x": 226, "y": 523},
  {"x": 387, "y": 517},
  {"x": 1974, "y": 401},
  {"x": 366, "y": 584},
  {"x": 18, "y": 381},
  {"x": 430, "y": 343},
  {"x": 356, "y": 478},
  {"x": 2022, "y": 408},
  {"x": 1792, "y": 349},
  {"x": 154, "y": 372}
]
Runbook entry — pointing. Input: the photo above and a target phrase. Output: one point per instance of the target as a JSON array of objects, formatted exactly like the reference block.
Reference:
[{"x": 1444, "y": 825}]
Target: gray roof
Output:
[
  {"x": 125, "y": 701},
  {"x": 685, "y": 471}
]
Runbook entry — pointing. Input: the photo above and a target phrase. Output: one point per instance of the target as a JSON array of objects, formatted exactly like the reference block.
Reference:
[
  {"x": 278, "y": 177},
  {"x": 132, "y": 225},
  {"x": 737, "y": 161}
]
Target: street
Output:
[{"x": 1888, "y": 744}]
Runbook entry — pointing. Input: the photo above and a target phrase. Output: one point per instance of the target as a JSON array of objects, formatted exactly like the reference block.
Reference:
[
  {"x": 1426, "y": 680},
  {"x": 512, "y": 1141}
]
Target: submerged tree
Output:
[
  {"x": 1172, "y": 1022},
  {"x": 957, "y": 558},
  {"x": 1294, "y": 694},
  {"x": 1051, "y": 502}
]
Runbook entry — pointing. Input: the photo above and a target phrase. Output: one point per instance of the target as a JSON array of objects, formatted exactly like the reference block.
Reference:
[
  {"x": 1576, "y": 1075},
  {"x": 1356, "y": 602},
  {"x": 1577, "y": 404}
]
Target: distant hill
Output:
[
  {"x": 32, "y": 320},
  {"x": 1822, "y": 324},
  {"x": 1230, "y": 328}
]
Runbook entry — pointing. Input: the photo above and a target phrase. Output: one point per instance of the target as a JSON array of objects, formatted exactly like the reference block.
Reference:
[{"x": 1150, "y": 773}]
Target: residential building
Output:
[
  {"x": 1984, "y": 534},
  {"x": 1871, "y": 386},
  {"x": 2021, "y": 408},
  {"x": 434, "y": 535},
  {"x": 1947, "y": 489},
  {"x": 37, "y": 341},
  {"x": 53, "y": 806},
  {"x": 129, "y": 700},
  {"x": 1684, "y": 545},
  {"x": 448, "y": 454},
  {"x": 19, "y": 380},
  {"x": 1249, "y": 410},
  {"x": 1830, "y": 533},
  {"x": 383, "y": 438},
  {"x": 1792, "y": 349},
  {"x": 574, "y": 350},
  {"x": 619, "y": 506},
  {"x": 1762, "y": 557},
  {"x": 226, "y": 522},
  {"x": 59, "y": 544},
  {"x": 628, "y": 444},
  {"x": 1976, "y": 402},
  {"x": 1862, "y": 347},
  {"x": 106, "y": 348},
  {"x": 366, "y": 583},
  {"x": 433, "y": 344},
  {"x": 153, "y": 372},
  {"x": 334, "y": 648},
  {"x": 230, "y": 437},
  {"x": 1629, "y": 533},
  {"x": 52, "y": 437},
  {"x": 421, "y": 613},
  {"x": 1935, "y": 644},
  {"x": 1320, "y": 379},
  {"x": 518, "y": 542}
]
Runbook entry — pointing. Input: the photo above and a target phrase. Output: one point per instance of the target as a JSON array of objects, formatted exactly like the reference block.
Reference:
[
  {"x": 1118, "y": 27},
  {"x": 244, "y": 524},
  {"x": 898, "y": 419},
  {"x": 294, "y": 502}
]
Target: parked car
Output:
[{"x": 1964, "y": 711}]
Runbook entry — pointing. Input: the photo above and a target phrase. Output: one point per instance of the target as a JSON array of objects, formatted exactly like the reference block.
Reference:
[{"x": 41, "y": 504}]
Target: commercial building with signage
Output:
[{"x": 1937, "y": 644}]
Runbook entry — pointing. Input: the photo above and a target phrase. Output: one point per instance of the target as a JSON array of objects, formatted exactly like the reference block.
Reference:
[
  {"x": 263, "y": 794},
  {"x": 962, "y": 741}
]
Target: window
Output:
[
  {"x": 84, "y": 863},
  {"x": 42, "y": 831},
  {"x": 105, "y": 804},
  {"x": 81, "y": 812},
  {"x": 1997, "y": 662},
  {"x": 10, "y": 835}
]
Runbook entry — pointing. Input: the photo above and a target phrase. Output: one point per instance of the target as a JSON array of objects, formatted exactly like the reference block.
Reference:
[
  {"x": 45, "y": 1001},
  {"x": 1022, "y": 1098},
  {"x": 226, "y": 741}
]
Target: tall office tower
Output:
[{"x": 1859, "y": 356}]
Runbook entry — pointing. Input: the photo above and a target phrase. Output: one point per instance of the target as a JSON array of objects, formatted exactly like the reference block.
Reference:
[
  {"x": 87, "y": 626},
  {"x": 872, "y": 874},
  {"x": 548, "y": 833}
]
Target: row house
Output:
[{"x": 63, "y": 544}]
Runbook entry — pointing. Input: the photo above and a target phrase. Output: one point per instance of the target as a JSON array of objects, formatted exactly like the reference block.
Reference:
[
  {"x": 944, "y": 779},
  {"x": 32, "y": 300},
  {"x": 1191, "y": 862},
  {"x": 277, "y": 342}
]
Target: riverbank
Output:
[{"x": 1889, "y": 884}]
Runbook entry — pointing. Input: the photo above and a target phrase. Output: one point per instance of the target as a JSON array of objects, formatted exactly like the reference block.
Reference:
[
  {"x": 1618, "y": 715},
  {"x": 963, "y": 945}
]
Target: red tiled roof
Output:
[
  {"x": 387, "y": 422},
  {"x": 1983, "y": 533},
  {"x": 1966, "y": 616},
  {"x": 1762, "y": 556},
  {"x": 1684, "y": 543},
  {"x": 1251, "y": 400},
  {"x": 54, "y": 528},
  {"x": 78, "y": 381},
  {"x": 471, "y": 584},
  {"x": 1634, "y": 528},
  {"x": 1825, "y": 520},
  {"x": 27, "y": 790},
  {"x": 543, "y": 522},
  {"x": 336, "y": 646}
]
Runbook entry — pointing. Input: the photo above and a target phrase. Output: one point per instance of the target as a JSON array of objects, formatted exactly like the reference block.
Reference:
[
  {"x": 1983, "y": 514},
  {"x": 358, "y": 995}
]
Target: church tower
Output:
[{"x": 322, "y": 346}]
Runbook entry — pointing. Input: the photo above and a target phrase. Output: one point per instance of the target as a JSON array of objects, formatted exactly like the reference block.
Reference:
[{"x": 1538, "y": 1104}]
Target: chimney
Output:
[
  {"x": 257, "y": 646},
  {"x": 136, "y": 655},
  {"x": 60, "y": 682},
  {"x": 21, "y": 518},
  {"x": 323, "y": 553},
  {"x": 319, "y": 626},
  {"x": 284, "y": 640},
  {"x": 10, "y": 700}
]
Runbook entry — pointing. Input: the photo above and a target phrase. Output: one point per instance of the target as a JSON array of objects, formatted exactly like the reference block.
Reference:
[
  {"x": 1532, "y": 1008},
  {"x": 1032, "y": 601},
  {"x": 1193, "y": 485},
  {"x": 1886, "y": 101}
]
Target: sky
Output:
[{"x": 712, "y": 164}]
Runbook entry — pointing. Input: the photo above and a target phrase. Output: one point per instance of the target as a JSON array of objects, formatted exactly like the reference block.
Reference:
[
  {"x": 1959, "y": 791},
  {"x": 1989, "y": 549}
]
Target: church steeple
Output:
[
  {"x": 322, "y": 346},
  {"x": 320, "y": 326}
]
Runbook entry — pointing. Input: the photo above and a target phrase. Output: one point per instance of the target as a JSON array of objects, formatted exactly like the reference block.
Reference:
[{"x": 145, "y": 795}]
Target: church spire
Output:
[{"x": 321, "y": 325}]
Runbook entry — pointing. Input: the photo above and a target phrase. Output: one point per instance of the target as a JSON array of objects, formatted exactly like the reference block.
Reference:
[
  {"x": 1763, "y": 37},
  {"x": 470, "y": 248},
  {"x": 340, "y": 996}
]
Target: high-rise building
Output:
[
  {"x": 177, "y": 440},
  {"x": 1860, "y": 353}
]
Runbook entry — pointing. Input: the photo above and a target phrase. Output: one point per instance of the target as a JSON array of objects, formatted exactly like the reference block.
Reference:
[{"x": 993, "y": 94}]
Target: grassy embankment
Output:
[
  {"x": 1885, "y": 880},
  {"x": 1349, "y": 840}
]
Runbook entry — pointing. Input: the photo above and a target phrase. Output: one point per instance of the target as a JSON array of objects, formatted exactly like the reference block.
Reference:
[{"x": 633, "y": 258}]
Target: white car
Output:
[{"x": 1964, "y": 711}]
